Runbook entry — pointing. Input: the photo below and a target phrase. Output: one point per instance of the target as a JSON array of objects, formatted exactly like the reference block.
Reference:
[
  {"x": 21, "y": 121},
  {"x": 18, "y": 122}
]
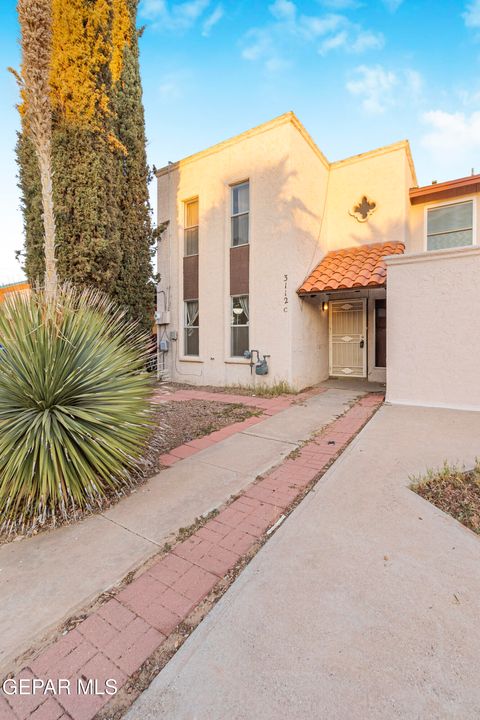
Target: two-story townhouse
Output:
[{"x": 272, "y": 252}]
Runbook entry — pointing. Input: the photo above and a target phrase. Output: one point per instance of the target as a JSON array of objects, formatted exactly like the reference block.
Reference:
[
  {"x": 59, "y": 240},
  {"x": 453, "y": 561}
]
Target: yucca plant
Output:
[{"x": 74, "y": 405}]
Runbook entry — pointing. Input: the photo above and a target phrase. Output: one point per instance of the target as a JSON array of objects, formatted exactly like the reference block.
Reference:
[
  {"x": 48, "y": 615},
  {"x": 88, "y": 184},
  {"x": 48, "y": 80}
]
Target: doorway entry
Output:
[{"x": 348, "y": 338}]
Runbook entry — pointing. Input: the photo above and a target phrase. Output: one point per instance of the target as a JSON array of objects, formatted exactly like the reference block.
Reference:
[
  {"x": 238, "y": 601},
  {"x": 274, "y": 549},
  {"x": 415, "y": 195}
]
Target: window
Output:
[
  {"x": 191, "y": 328},
  {"x": 240, "y": 314},
  {"x": 450, "y": 226},
  {"x": 240, "y": 210},
  {"x": 191, "y": 228}
]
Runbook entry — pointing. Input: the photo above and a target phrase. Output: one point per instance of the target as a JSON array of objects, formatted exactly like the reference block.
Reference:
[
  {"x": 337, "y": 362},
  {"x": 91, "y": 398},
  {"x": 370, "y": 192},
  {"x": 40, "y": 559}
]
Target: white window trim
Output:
[
  {"x": 235, "y": 358},
  {"x": 189, "y": 227},
  {"x": 184, "y": 357},
  {"x": 456, "y": 201},
  {"x": 231, "y": 214}
]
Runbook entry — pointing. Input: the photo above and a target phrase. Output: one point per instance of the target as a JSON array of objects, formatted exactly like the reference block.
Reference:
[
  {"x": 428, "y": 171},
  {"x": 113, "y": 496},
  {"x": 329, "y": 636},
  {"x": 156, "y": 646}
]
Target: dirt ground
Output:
[
  {"x": 455, "y": 492},
  {"x": 180, "y": 422}
]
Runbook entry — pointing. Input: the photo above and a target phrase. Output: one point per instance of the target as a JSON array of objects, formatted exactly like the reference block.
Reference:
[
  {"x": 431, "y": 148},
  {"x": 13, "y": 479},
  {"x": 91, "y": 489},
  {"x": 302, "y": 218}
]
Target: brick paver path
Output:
[{"x": 115, "y": 640}]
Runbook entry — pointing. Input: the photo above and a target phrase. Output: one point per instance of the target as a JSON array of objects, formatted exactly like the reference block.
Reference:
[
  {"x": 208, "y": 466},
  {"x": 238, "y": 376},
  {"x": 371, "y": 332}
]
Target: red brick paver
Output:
[{"x": 114, "y": 641}]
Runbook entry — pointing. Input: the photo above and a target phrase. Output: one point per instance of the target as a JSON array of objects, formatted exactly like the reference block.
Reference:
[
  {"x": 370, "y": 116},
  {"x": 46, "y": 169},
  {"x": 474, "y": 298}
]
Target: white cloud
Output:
[
  {"x": 367, "y": 40},
  {"x": 177, "y": 17},
  {"x": 452, "y": 140},
  {"x": 172, "y": 86},
  {"x": 379, "y": 89},
  {"x": 312, "y": 27},
  {"x": 258, "y": 45},
  {"x": 283, "y": 10},
  {"x": 471, "y": 15},
  {"x": 414, "y": 83},
  {"x": 340, "y": 4},
  {"x": 392, "y": 5},
  {"x": 334, "y": 42},
  {"x": 470, "y": 97},
  {"x": 373, "y": 85},
  {"x": 290, "y": 29},
  {"x": 212, "y": 20}
]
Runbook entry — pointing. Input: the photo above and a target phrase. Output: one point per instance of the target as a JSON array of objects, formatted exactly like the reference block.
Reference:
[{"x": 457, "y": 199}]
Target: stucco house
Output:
[{"x": 278, "y": 265}]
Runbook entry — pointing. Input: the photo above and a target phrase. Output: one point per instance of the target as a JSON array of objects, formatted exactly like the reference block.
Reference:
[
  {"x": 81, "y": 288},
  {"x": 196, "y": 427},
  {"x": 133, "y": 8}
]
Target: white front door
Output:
[{"x": 348, "y": 338}]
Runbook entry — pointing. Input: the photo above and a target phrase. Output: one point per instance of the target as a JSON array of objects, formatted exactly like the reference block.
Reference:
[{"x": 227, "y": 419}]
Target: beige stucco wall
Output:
[
  {"x": 287, "y": 179},
  {"x": 383, "y": 176},
  {"x": 309, "y": 324},
  {"x": 433, "y": 329}
]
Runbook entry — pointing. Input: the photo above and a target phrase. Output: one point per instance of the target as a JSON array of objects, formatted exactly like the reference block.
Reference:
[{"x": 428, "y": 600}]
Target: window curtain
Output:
[
  {"x": 244, "y": 305},
  {"x": 192, "y": 313}
]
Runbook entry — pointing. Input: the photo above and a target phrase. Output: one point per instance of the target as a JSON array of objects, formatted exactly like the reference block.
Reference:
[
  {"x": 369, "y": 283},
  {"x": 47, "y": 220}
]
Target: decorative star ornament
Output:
[{"x": 362, "y": 211}]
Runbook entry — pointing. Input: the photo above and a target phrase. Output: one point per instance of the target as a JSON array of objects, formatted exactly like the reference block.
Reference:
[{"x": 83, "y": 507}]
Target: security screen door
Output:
[{"x": 348, "y": 338}]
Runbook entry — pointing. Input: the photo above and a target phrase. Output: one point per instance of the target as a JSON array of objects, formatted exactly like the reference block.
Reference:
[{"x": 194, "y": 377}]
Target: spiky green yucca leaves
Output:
[{"x": 74, "y": 408}]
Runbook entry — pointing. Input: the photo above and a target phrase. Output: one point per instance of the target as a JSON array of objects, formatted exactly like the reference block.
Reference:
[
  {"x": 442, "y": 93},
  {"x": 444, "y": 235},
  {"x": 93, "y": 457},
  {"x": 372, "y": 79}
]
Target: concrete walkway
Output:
[
  {"x": 364, "y": 604},
  {"x": 46, "y": 579}
]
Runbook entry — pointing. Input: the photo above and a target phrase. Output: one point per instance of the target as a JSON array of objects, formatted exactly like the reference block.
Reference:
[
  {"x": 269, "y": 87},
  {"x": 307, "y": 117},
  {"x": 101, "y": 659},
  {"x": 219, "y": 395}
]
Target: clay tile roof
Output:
[{"x": 361, "y": 266}]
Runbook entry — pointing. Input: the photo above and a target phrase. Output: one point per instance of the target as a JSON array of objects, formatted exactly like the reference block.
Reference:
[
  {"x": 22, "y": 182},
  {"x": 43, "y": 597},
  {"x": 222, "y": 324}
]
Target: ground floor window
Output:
[
  {"x": 380, "y": 333},
  {"x": 240, "y": 325},
  {"x": 191, "y": 328}
]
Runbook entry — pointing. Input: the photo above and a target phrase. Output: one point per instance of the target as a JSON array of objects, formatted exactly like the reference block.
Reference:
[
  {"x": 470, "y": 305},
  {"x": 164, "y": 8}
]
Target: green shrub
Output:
[{"x": 74, "y": 405}]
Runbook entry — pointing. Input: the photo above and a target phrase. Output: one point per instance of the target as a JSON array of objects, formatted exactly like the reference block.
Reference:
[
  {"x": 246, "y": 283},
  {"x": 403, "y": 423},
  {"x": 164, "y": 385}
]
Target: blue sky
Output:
[{"x": 358, "y": 73}]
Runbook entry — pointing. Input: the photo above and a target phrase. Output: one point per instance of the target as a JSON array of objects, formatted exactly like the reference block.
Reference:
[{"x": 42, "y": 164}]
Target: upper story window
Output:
[
  {"x": 450, "y": 226},
  {"x": 191, "y": 228},
  {"x": 240, "y": 212}
]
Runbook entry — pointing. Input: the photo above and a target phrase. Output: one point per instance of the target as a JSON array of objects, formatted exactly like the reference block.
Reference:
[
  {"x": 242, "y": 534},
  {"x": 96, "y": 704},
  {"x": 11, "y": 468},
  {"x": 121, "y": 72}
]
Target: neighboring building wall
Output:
[
  {"x": 417, "y": 220},
  {"x": 433, "y": 331},
  {"x": 287, "y": 179},
  {"x": 14, "y": 287}
]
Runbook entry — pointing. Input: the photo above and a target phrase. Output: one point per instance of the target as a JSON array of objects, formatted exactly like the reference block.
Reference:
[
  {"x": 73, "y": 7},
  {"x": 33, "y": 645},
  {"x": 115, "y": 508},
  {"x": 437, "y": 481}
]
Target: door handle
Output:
[{"x": 362, "y": 343}]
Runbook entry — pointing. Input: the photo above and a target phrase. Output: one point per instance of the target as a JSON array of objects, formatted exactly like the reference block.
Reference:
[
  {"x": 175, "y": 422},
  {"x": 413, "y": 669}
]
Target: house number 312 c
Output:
[{"x": 285, "y": 293}]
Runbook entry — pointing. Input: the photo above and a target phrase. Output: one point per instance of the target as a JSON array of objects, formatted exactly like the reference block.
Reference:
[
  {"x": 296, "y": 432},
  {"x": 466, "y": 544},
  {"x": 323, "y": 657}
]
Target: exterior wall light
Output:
[{"x": 325, "y": 305}]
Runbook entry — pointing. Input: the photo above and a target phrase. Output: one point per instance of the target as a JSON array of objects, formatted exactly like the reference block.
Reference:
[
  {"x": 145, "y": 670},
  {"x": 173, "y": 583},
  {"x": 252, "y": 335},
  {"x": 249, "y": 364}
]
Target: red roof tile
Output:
[{"x": 360, "y": 266}]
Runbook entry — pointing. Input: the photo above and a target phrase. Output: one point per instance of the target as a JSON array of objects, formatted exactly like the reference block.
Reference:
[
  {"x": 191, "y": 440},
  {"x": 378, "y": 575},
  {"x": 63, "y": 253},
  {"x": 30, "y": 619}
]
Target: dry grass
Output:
[
  {"x": 454, "y": 491},
  {"x": 279, "y": 388}
]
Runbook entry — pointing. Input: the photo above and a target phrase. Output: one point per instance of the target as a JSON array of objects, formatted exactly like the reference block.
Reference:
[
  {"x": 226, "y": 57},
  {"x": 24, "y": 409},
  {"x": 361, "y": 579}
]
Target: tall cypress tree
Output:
[
  {"x": 31, "y": 205},
  {"x": 134, "y": 287},
  {"x": 104, "y": 234}
]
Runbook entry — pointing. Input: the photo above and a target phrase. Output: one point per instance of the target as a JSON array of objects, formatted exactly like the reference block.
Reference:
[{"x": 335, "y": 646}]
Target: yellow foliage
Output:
[
  {"x": 115, "y": 144},
  {"x": 88, "y": 40},
  {"x": 122, "y": 30}
]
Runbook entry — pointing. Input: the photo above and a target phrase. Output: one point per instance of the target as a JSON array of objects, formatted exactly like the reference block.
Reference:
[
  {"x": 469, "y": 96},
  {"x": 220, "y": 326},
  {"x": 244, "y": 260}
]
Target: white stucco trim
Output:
[
  {"x": 384, "y": 150},
  {"x": 432, "y": 255},
  {"x": 288, "y": 117}
]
